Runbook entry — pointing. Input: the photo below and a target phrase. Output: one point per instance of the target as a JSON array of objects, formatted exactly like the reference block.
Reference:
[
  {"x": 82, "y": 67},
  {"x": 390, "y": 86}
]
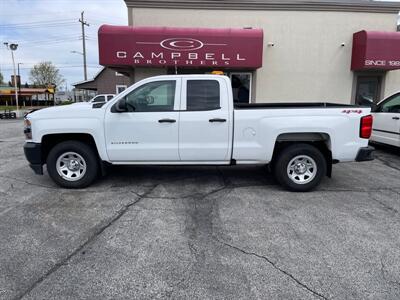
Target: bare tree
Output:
[
  {"x": 45, "y": 74},
  {"x": 1, "y": 78}
]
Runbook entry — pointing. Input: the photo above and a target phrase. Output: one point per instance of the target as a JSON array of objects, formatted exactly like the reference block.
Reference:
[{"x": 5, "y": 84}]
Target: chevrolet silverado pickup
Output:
[{"x": 192, "y": 120}]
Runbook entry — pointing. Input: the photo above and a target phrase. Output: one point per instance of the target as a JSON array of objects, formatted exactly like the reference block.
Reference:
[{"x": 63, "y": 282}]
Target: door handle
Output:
[
  {"x": 396, "y": 118},
  {"x": 217, "y": 120},
  {"x": 166, "y": 121}
]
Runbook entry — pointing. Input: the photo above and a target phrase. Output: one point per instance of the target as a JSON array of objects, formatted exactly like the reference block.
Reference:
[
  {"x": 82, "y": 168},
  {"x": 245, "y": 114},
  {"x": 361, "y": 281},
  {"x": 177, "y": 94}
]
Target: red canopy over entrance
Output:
[
  {"x": 182, "y": 47},
  {"x": 376, "y": 50}
]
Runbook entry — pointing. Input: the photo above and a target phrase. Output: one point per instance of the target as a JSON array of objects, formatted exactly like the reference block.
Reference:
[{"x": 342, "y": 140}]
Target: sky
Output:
[{"x": 48, "y": 30}]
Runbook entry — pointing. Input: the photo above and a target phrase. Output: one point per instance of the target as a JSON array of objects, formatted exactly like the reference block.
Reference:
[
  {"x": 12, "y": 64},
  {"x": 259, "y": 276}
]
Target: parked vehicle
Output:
[
  {"x": 192, "y": 120},
  {"x": 102, "y": 98},
  {"x": 386, "y": 127}
]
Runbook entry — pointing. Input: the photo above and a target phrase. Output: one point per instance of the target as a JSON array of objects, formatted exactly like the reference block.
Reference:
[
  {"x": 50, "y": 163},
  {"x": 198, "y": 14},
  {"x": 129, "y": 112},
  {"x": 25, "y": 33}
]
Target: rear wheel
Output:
[
  {"x": 72, "y": 164},
  {"x": 300, "y": 167}
]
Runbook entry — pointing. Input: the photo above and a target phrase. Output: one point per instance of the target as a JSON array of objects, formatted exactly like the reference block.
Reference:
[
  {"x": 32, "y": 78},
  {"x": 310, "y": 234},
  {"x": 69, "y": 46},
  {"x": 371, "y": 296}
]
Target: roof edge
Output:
[{"x": 349, "y": 6}]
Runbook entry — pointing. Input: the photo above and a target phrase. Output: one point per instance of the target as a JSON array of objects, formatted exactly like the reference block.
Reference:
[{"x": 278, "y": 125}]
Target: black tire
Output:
[
  {"x": 85, "y": 151},
  {"x": 286, "y": 155}
]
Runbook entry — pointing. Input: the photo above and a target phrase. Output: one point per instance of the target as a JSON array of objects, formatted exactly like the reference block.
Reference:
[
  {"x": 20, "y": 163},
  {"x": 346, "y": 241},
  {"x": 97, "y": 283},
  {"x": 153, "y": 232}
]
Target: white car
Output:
[
  {"x": 102, "y": 98},
  {"x": 193, "y": 120},
  {"x": 386, "y": 128},
  {"x": 98, "y": 100}
]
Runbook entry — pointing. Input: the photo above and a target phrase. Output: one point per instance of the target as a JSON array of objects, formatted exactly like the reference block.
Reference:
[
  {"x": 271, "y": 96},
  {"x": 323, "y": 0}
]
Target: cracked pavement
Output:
[{"x": 198, "y": 233}]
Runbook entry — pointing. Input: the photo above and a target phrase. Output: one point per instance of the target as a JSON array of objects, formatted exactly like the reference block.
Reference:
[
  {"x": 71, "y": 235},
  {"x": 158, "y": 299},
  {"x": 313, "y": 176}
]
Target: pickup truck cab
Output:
[{"x": 192, "y": 120}]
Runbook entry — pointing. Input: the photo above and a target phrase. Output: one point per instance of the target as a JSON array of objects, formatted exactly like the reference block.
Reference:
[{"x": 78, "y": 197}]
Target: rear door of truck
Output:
[{"x": 205, "y": 120}]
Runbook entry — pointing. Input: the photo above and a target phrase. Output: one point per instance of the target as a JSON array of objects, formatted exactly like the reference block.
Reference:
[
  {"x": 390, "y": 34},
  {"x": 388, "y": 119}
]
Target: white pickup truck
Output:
[{"x": 192, "y": 120}]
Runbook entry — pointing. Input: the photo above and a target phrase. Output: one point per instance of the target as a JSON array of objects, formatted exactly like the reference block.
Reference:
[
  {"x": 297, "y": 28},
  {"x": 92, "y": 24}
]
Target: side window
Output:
[
  {"x": 99, "y": 99},
  {"x": 392, "y": 105},
  {"x": 152, "y": 96},
  {"x": 109, "y": 97},
  {"x": 202, "y": 95}
]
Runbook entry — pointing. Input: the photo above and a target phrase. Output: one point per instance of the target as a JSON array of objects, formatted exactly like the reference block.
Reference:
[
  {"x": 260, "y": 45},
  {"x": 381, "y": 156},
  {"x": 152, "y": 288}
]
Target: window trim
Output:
[
  {"x": 119, "y": 86},
  {"x": 251, "y": 81}
]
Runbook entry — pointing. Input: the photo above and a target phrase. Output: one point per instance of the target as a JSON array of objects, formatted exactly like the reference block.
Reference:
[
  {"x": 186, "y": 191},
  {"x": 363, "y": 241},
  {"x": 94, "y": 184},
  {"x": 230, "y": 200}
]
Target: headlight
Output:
[{"x": 27, "y": 129}]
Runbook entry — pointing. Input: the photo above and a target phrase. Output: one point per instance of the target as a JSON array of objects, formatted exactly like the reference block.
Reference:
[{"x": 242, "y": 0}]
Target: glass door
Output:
[
  {"x": 241, "y": 87},
  {"x": 368, "y": 90}
]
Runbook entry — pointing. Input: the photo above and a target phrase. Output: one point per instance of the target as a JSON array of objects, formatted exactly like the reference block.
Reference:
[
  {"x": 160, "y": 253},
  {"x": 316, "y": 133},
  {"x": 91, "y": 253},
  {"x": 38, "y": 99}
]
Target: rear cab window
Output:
[{"x": 202, "y": 95}]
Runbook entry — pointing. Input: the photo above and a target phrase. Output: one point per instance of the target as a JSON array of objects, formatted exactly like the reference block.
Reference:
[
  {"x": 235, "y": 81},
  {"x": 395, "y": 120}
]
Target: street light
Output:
[{"x": 12, "y": 48}]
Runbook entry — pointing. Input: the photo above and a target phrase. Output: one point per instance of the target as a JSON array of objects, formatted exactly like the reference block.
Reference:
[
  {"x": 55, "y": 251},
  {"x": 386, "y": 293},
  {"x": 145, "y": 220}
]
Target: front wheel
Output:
[
  {"x": 72, "y": 164},
  {"x": 300, "y": 167}
]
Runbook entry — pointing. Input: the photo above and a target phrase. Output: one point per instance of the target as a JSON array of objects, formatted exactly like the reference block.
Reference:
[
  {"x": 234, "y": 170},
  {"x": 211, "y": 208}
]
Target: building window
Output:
[
  {"x": 368, "y": 89},
  {"x": 120, "y": 88},
  {"x": 202, "y": 95},
  {"x": 241, "y": 87}
]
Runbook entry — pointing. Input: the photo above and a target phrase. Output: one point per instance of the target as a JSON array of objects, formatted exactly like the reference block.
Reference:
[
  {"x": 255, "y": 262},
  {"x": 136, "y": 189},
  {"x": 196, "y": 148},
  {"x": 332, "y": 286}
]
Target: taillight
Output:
[{"x": 366, "y": 127}]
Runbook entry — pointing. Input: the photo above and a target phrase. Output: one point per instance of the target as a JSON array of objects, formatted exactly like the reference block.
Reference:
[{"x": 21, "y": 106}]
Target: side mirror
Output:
[
  {"x": 374, "y": 107},
  {"x": 120, "y": 106}
]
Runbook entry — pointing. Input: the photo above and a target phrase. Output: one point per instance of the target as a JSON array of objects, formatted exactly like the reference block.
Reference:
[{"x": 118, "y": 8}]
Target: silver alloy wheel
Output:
[
  {"x": 71, "y": 166},
  {"x": 302, "y": 169}
]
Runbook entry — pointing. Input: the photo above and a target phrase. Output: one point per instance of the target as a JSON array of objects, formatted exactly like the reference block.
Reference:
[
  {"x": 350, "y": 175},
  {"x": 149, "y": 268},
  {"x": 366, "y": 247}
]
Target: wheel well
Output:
[
  {"x": 50, "y": 140},
  {"x": 319, "y": 140}
]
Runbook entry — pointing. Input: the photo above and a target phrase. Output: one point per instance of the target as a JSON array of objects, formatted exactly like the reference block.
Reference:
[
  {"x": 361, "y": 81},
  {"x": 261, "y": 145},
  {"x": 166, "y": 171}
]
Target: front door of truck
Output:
[
  {"x": 148, "y": 130},
  {"x": 204, "y": 122}
]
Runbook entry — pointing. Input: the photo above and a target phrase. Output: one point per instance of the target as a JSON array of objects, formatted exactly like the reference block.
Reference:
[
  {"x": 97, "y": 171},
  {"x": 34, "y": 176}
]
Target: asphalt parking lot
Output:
[{"x": 198, "y": 233}]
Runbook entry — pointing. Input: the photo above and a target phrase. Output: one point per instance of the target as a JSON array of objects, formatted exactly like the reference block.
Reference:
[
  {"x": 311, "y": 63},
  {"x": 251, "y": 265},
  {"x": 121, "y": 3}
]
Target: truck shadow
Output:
[
  {"x": 387, "y": 149},
  {"x": 235, "y": 176}
]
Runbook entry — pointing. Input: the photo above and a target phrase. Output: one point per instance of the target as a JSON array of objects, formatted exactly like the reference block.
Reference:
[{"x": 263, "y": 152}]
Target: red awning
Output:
[
  {"x": 376, "y": 50},
  {"x": 183, "y": 47}
]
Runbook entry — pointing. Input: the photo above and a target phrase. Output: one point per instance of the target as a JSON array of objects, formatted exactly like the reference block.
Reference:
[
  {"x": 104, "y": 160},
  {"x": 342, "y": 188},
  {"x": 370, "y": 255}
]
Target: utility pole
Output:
[
  {"x": 19, "y": 76},
  {"x": 84, "y": 23}
]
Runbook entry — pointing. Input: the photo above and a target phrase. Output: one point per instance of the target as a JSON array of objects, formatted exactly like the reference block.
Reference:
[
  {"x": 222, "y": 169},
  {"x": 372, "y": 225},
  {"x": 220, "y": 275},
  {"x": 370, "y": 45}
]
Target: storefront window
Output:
[
  {"x": 241, "y": 87},
  {"x": 368, "y": 90}
]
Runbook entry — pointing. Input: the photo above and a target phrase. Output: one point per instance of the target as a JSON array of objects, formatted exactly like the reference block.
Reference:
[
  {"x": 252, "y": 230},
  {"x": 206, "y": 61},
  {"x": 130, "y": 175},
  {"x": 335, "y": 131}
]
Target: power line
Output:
[
  {"x": 39, "y": 25},
  {"x": 38, "y": 22},
  {"x": 58, "y": 67},
  {"x": 51, "y": 41}
]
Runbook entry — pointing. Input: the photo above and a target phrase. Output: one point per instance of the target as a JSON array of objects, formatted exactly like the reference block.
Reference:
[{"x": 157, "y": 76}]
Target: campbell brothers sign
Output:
[
  {"x": 376, "y": 50},
  {"x": 181, "y": 47}
]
